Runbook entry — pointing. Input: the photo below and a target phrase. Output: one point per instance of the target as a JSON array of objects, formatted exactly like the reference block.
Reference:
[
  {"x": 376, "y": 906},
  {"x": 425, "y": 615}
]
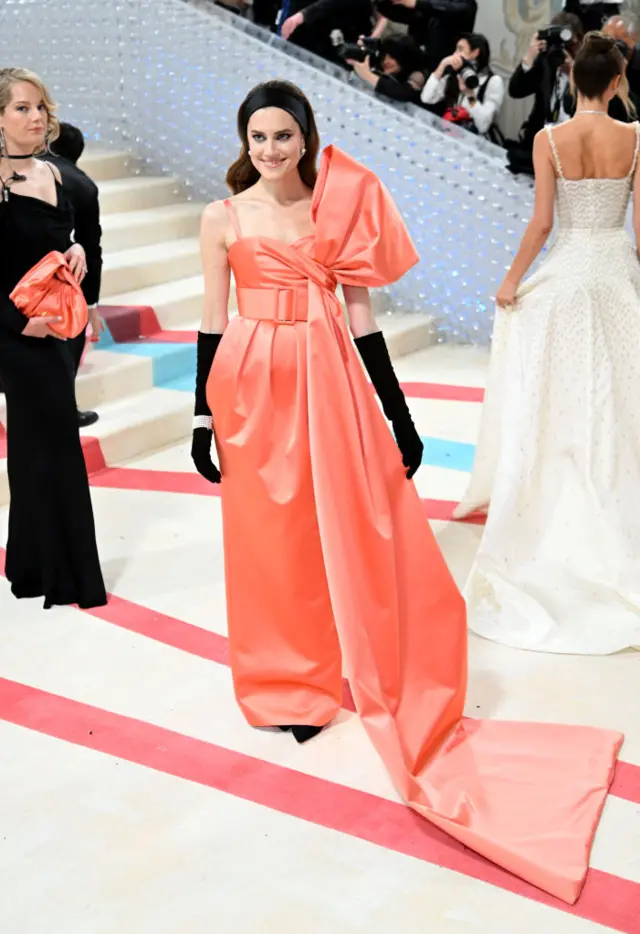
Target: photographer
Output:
[
  {"x": 393, "y": 67},
  {"x": 463, "y": 88},
  {"x": 544, "y": 73},
  {"x": 310, "y": 24},
  {"x": 434, "y": 25},
  {"x": 624, "y": 29}
]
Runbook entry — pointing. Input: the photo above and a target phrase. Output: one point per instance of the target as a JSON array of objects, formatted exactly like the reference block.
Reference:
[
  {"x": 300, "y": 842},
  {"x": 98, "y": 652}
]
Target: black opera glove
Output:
[
  {"x": 202, "y": 424},
  {"x": 375, "y": 356}
]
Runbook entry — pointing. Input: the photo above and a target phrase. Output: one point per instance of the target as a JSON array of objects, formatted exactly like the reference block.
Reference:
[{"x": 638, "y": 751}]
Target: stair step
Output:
[
  {"x": 128, "y": 428},
  {"x": 132, "y": 229},
  {"x": 106, "y": 376},
  {"x": 407, "y": 333},
  {"x": 175, "y": 303},
  {"x": 104, "y": 165},
  {"x": 141, "y": 267},
  {"x": 138, "y": 194},
  {"x": 141, "y": 423}
]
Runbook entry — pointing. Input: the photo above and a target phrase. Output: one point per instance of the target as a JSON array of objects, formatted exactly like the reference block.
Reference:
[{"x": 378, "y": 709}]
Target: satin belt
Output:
[{"x": 282, "y": 306}]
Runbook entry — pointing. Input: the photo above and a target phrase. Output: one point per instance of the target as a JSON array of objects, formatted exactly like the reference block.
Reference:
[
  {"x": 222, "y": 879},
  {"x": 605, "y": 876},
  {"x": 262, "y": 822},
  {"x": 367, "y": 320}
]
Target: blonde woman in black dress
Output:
[{"x": 51, "y": 550}]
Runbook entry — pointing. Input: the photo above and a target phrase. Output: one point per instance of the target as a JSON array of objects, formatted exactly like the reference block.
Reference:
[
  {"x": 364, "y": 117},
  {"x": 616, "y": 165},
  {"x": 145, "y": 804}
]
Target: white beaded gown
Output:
[{"x": 558, "y": 457}]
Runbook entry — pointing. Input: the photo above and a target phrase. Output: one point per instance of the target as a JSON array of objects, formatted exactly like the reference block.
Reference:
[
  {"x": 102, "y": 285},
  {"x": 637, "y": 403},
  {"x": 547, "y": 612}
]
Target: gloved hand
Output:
[
  {"x": 201, "y": 455},
  {"x": 410, "y": 444},
  {"x": 375, "y": 356},
  {"x": 203, "y": 434}
]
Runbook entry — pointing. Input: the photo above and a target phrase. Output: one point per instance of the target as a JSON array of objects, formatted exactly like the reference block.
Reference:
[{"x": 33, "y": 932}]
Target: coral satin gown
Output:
[{"x": 329, "y": 555}]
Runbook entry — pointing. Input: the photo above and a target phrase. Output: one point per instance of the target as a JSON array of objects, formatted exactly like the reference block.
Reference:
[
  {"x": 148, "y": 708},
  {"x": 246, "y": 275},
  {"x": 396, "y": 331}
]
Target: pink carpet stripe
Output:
[
  {"x": 186, "y": 637},
  {"x": 178, "y": 481},
  {"x": 215, "y": 648},
  {"x": 606, "y": 899}
]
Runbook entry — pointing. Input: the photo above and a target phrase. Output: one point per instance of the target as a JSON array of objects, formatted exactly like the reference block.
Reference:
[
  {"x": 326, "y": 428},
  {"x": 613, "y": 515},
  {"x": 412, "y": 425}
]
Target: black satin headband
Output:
[{"x": 283, "y": 100}]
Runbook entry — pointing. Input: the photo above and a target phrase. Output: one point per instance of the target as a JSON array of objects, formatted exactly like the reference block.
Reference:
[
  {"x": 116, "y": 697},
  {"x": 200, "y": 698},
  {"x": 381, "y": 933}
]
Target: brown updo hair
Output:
[
  {"x": 243, "y": 173},
  {"x": 597, "y": 63}
]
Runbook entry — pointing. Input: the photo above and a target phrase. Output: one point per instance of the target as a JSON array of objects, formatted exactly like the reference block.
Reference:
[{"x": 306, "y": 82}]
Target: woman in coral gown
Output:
[
  {"x": 328, "y": 553},
  {"x": 559, "y": 449}
]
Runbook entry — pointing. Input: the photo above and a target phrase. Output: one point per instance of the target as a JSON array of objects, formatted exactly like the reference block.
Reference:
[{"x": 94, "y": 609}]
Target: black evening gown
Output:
[{"x": 51, "y": 550}]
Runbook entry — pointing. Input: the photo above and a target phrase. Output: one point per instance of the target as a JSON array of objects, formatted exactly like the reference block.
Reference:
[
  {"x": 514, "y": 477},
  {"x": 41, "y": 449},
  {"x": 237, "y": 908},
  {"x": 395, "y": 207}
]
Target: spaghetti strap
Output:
[
  {"x": 556, "y": 157},
  {"x": 233, "y": 217},
  {"x": 635, "y": 153},
  {"x": 55, "y": 177}
]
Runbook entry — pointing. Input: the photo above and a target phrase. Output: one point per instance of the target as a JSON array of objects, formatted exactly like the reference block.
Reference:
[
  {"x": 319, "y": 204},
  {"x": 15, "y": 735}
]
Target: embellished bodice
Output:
[{"x": 593, "y": 204}]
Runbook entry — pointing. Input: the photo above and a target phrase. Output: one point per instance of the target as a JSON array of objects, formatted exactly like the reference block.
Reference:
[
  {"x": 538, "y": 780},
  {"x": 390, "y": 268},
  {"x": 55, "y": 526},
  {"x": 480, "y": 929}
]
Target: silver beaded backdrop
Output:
[{"x": 164, "y": 79}]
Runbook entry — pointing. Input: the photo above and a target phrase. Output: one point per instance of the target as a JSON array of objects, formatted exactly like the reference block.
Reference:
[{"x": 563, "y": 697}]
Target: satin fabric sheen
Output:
[
  {"x": 328, "y": 555},
  {"x": 50, "y": 288}
]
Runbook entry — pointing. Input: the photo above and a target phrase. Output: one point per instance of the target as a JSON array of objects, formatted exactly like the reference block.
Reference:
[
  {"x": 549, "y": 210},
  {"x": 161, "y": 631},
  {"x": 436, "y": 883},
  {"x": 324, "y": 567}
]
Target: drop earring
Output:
[
  {"x": 302, "y": 151},
  {"x": 2, "y": 144}
]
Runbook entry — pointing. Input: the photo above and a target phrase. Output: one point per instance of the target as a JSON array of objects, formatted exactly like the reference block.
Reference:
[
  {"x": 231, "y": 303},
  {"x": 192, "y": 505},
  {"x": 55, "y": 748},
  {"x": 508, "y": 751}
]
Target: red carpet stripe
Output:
[
  {"x": 215, "y": 648},
  {"x": 186, "y": 637},
  {"x": 179, "y": 481},
  {"x": 606, "y": 899}
]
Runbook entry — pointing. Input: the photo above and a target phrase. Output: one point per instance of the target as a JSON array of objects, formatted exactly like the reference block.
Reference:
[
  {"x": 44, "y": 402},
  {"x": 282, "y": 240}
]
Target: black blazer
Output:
[
  {"x": 82, "y": 192},
  {"x": 435, "y": 25},
  {"x": 538, "y": 81},
  {"x": 352, "y": 17}
]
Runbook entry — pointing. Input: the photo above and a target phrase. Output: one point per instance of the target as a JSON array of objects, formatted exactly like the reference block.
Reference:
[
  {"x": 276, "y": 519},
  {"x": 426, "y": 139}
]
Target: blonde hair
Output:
[{"x": 11, "y": 76}]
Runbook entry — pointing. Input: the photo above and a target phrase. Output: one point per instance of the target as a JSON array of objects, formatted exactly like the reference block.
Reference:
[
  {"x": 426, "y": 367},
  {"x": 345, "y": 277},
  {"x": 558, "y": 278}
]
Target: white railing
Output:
[{"x": 165, "y": 79}]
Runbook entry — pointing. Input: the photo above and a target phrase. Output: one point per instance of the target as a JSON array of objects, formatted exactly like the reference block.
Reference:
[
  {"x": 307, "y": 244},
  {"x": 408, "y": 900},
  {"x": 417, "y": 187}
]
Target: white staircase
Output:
[{"x": 151, "y": 258}]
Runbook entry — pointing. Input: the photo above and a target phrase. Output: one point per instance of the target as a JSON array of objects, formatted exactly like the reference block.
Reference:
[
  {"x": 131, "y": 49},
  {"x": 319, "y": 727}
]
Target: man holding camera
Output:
[
  {"x": 544, "y": 73},
  {"x": 393, "y": 67},
  {"x": 310, "y": 23},
  {"x": 433, "y": 24}
]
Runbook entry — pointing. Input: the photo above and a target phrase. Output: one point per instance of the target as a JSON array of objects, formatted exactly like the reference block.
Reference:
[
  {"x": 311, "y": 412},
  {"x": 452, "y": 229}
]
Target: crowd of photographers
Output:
[{"x": 426, "y": 52}]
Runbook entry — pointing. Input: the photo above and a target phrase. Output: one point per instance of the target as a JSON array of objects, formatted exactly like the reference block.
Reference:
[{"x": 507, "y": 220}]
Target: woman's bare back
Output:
[{"x": 594, "y": 146}]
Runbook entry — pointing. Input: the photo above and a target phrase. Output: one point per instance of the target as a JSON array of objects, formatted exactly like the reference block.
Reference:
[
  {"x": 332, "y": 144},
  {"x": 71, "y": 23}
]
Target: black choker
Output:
[{"x": 14, "y": 158}]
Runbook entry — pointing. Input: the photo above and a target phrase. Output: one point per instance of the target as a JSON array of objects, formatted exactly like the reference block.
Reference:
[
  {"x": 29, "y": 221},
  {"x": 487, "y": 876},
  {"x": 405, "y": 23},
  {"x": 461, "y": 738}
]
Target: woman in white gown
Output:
[{"x": 558, "y": 458}]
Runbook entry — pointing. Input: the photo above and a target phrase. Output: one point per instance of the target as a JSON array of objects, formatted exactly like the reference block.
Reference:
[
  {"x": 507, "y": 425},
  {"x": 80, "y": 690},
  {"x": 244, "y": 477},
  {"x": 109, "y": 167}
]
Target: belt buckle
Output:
[{"x": 286, "y": 313}]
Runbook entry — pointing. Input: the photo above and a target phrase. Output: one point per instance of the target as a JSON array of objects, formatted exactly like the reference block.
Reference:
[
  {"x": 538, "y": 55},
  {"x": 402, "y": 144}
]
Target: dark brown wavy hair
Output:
[
  {"x": 597, "y": 63},
  {"x": 243, "y": 174}
]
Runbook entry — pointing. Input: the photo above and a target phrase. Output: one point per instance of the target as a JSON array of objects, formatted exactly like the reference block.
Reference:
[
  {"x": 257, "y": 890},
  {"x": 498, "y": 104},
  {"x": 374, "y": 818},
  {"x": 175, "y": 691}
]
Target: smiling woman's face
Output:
[{"x": 275, "y": 142}]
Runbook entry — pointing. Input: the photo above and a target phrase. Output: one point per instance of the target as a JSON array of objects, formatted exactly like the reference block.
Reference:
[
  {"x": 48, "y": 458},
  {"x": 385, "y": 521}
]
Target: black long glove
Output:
[
  {"x": 375, "y": 356},
  {"x": 203, "y": 437}
]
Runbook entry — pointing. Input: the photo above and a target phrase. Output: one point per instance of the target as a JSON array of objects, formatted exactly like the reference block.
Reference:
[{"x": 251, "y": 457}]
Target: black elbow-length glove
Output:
[
  {"x": 203, "y": 436},
  {"x": 375, "y": 356}
]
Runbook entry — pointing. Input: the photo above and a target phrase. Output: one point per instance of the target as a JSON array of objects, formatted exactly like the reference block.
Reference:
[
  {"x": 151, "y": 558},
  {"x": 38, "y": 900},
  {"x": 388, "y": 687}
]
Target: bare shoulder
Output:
[
  {"x": 542, "y": 143},
  {"x": 215, "y": 220}
]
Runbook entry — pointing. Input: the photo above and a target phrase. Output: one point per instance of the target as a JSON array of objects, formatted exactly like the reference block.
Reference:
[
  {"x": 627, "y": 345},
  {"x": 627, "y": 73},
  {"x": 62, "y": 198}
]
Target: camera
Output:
[
  {"x": 468, "y": 73},
  {"x": 358, "y": 51},
  {"x": 556, "y": 37}
]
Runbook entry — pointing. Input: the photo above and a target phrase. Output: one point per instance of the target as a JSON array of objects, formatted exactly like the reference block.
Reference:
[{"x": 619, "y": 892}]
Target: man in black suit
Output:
[
  {"x": 545, "y": 76},
  {"x": 592, "y": 13},
  {"x": 435, "y": 25},
  {"x": 82, "y": 192},
  {"x": 310, "y": 23}
]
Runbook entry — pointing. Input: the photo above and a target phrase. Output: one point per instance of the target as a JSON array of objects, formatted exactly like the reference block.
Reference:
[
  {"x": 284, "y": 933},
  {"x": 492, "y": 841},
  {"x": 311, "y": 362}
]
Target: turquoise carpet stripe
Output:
[
  {"x": 174, "y": 367},
  {"x": 453, "y": 455}
]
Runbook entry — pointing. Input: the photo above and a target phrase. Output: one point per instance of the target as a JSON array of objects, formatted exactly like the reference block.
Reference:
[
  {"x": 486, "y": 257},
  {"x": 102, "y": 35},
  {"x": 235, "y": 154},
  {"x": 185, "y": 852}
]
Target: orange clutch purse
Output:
[{"x": 50, "y": 288}]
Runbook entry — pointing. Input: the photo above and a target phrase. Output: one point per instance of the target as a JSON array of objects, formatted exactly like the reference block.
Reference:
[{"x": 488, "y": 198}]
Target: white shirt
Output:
[{"x": 483, "y": 114}]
